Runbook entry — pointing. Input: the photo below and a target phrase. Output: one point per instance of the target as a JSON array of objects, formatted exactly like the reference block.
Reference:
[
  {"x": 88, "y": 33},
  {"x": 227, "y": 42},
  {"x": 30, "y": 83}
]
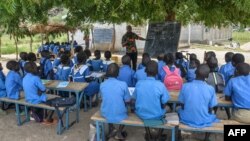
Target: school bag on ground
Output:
[
  {"x": 172, "y": 80},
  {"x": 61, "y": 102},
  {"x": 215, "y": 79}
]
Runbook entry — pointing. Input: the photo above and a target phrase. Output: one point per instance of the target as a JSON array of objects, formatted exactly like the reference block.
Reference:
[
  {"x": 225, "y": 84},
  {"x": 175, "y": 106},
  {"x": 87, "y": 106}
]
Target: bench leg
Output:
[
  {"x": 18, "y": 115},
  {"x": 27, "y": 114},
  {"x": 173, "y": 134},
  {"x": 97, "y": 131},
  {"x": 78, "y": 95}
]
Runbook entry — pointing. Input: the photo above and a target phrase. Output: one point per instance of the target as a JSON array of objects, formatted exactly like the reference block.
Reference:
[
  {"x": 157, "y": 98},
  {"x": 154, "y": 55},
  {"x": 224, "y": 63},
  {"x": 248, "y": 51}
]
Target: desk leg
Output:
[
  {"x": 18, "y": 115},
  {"x": 103, "y": 132},
  {"x": 85, "y": 103},
  {"x": 173, "y": 134},
  {"x": 67, "y": 119},
  {"x": 97, "y": 131},
  {"x": 27, "y": 114},
  {"x": 77, "y": 106}
]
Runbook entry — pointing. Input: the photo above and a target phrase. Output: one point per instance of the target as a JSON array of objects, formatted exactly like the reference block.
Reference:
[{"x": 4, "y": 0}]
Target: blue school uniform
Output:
[
  {"x": 150, "y": 95},
  {"x": 197, "y": 97},
  {"x": 227, "y": 71},
  {"x": 182, "y": 62},
  {"x": 140, "y": 75},
  {"x": 13, "y": 84},
  {"x": 114, "y": 94},
  {"x": 74, "y": 59},
  {"x": 78, "y": 74},
  {"x": 97, "y": 65},
  {"x": 2, "y": 85},
  {"x": 163, "y": 73},
  {"x": 140, "y": 66},
  {"x": 56, "y": 49},
  {"x": 161, "y": 64},
  {"x": 191, "y": 75},
  {"x": 31, "y": 85},
  {"x": 63, "y": 72},
  {"x": 48, "y": 67},
  {"x": 105, "y": 64},
  {"x": 126, "y": 74},
  {"x": 56, "y": 62},
  {"x": 238, "y": 88}
]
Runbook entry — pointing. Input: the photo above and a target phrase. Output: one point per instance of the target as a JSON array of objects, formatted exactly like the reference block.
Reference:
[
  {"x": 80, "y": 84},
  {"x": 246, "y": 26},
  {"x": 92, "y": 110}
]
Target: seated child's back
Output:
[
  {"x": 97, "y": 63},
  {"x": 64, "y": 69},
  {"x": 13, "y": 80},
  {"x": 141, "y": 74},
  {"x": 150, "y": 95},
  {"x": 32, "y": 85},
  {"x": 114, "y": 95},
  {"x": 197, "y": 98},
  {"x": 126, "y": 74},
  {"x": 107, "y": 61},
  {"x": 2, "y": 83}
]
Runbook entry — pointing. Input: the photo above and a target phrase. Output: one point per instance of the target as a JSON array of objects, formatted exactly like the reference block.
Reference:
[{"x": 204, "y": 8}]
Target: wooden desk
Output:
[
  {"x": 220, "y": 99},
  {"x": 76, "y": 87}
]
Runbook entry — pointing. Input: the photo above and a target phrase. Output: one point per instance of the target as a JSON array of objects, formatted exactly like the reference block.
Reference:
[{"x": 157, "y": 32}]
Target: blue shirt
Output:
[
  {"x": 31, "y": 85},
  {"x": 78, "y": 73},
  {"x": 191, "y": 75},
  {"x": 239, "y": 90},
  {"x": 227, "y": 71},
  {"x": 140, "y": 66},
  {"x": 197, "y": 97},
  {"x": 63, "y": 73},
  {"x": 114, "y": 94},
  {"x": 161, "y": 64},
  {"x": 106, "y": 64},
  {"x": 163, "y": 73},
  {"x": 126, "y": 74},
  {"x": 47, "y": 67},
  {"x": 2, "y": 85},
  {"x": 97, "y": 64},
  {"x": 150, "y": 95},
  {"x": 13, "y": 84},
  {"x": 140, "y": 75},
  {"x": 56, "y": 62}
]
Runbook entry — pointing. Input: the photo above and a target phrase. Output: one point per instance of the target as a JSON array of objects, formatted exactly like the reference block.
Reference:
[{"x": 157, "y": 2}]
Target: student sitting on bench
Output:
[
  {"x": 114, "y": 95},
  {"x": 151, "y": 97},
  {"x": 2, "y": 90},
  {"x": 35, "y": 92},
  {"x": 141, "y": 74},
  {"x": 237, "y": 90},
  {"x": 197, "y": 100}
]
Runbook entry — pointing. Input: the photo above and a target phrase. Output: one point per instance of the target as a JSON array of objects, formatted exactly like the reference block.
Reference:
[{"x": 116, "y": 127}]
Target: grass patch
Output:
[
  {"x": 216, "y": 48},
  {"x": 241, "y": 37},
  {"x": 8, "y": 44}
]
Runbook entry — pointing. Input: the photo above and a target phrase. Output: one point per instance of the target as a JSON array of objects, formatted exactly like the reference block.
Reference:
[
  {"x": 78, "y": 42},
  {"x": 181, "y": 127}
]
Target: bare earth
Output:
[{"x": 9, "y": 131}]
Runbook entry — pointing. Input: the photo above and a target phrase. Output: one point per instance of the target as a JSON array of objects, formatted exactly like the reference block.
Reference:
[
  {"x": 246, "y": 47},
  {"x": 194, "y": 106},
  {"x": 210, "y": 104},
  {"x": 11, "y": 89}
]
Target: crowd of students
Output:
[{"x": 152, "y": 81}]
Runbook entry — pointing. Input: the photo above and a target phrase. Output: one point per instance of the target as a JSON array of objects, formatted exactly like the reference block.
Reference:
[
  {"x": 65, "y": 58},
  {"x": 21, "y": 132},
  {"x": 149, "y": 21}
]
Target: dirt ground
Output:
[{"x": 9, "y": 131}]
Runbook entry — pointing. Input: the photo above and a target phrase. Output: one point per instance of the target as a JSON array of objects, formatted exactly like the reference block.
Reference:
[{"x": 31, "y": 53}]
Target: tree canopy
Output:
[{"x": 14, "y": 13}]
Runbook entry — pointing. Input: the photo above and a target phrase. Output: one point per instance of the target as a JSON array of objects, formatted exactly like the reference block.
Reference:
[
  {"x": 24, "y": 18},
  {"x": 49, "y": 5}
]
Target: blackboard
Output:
[
  {"x": 162, "y": 38},
  {"x": 102, "y": 35}
]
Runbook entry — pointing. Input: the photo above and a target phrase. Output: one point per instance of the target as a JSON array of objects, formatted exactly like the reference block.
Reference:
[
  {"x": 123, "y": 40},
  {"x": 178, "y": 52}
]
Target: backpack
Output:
[
  {"x": 215, "y": 79},
  {"x": 61, "y": 102},
  {"x": 172, "y": 80}
]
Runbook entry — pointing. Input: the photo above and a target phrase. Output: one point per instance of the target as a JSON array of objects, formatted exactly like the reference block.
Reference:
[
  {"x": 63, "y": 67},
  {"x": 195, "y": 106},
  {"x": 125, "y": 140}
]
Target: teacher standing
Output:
[{"x": 128, "y": 41}]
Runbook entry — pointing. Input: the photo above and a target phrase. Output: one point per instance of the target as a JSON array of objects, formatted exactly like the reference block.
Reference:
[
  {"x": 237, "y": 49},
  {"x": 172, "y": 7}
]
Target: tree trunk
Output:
[
  {"x": 0, "y": 46},
  {"x": 114, "y": 39},
  {"x": 15, "y": 38},
  {"x": 42, "y": 38},
  {"x": 170, "y": 16},
  {"x": 92, "y": 34},
  {"x": 68, "y": 36},
  {"x": 31, "y": 41}
]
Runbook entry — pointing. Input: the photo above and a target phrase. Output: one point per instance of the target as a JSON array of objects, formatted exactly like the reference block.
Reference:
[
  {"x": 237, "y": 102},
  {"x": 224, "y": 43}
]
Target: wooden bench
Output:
[
  {"x": 132, "y": 120},
  {"x": 60, "y": 111},
  {"x": 215, "y": 128}
]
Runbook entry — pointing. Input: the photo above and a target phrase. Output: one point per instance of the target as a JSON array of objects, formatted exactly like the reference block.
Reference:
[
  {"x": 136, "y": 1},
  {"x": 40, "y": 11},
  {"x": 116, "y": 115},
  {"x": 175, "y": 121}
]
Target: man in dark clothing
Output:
[{"x": 128, "y": 41}]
